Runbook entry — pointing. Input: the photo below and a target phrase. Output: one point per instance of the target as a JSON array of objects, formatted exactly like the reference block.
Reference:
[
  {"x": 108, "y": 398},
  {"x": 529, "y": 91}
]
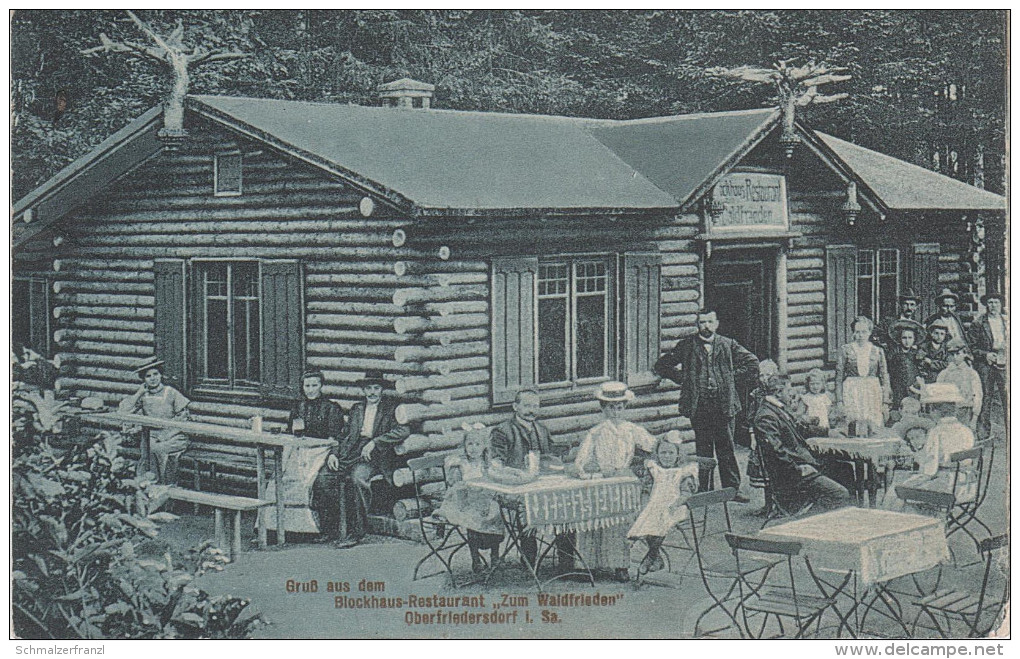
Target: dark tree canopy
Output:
[{"x": 926, "y": 86}]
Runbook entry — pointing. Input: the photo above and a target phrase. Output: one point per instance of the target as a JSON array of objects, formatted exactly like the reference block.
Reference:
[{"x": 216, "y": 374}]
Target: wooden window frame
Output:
[
  {"x": 217, "y": 192},
  {"x": 36, "y": 282},
  {"x": 610, "y": 343},
  {"x": 876, "y": 278},
  {"x": 197, "y": 340}
]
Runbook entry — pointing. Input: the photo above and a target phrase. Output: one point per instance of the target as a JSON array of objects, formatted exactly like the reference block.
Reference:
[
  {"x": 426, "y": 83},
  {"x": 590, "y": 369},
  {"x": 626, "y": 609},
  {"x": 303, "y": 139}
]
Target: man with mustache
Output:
[{"x": 707, "y": 367}]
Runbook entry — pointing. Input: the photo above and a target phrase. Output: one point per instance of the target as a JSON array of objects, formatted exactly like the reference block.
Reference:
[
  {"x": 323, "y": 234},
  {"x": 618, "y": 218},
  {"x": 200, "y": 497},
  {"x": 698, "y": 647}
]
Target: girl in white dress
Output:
[
  {"x": 673, "y": 480},
  {"x": 817, "y": 399}
]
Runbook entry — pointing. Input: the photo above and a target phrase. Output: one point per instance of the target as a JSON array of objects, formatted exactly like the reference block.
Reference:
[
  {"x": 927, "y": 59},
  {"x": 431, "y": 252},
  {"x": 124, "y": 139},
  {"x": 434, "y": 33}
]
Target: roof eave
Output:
[{"x": 426, "y": 212}]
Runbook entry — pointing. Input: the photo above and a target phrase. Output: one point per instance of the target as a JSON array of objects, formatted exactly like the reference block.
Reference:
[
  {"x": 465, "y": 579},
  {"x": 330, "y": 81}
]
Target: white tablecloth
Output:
[{"x": 878, "y": 545}]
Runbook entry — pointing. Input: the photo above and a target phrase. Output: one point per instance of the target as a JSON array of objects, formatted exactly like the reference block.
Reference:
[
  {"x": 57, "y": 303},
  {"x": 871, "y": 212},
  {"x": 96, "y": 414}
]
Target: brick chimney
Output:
[{"x": 406, "y": 93}]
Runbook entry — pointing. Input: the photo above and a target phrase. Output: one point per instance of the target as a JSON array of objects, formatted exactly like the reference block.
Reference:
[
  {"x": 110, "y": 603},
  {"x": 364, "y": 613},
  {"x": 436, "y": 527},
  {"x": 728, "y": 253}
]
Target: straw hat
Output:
[
  {"x": 614, "y": 392},
  {"x": 906, "y": 323},
  {"x": 149, "y": 363}
]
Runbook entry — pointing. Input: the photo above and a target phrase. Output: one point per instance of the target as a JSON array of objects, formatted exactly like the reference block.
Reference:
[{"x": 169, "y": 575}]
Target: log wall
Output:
[{"x": 410, "y": 298}]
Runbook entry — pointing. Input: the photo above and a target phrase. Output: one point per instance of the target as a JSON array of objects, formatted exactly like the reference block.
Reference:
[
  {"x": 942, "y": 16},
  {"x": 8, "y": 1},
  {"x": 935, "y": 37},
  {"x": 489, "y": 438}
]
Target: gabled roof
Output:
[
  {"x": 903, "y": 186},
  {"x": 450, "y": 160},
  {"x": 75, "y": 184},
  {"x": 684, "y": 154}
]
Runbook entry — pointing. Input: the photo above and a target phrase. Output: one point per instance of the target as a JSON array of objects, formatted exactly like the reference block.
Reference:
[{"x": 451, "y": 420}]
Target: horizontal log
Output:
[
  {"x": 199, "y": 219},
  {"x": 104, "y": 312},
  {"x": 289, "y": 185},
  {"x": 349, "y": 267},
  {"x": 680, "y": 270},
  {"x": 349, "y": 294},
  {"x": 78, "y": 285},
  {"x": 804, "y": 365},
  {"x": 794, "y": 331},
  {"x": 257, "y": 250},
  {"x": 363, "y": 309},
  {"x": 364, "y": 280},
  {"x": 105, "y": 348},
  {"x": 455, "y": 308},
  {"x": 350, "y": 322},
  {"x": 455, "y": 393},
  {"x": 685, "y": 295},
  {"x": 805, "y": 264},
  {"x": 364, "y": 336},
  {"x": 106, "y": 324},
  {"x": 445, "y": 367},
  {"x": 374, "y": 351},
  {"x": 805, "y": 354},
  {"x": 213, "y": 408},
  {"x": 436, "y": 442},
  {"x": 414, "y": 384},
  {"x": 410, "y": 324},
  {"x": 406, "y": 296},
  {"x": 794, "y": 299},
  {"x": 128, "y": 208},
  {"x": 806, "y": 287},
  {"x": 88, "y": 265},
  {"x": 77, "y": 359},
  {"x": 216, "y": 235},
  {"x": 81, "y": 279},
  {"x": 106, "y": 299},
  {"x": 805, "y": 275},
  {"x": 450, "y": 337},
  {"x": 800, "y": 309},
  {"x": 136, "y": 338},
  {"x": 409, "y": 413},
  {"x": 102, "y": 373},
  {"x": 403, "y": 476},
  {"x": 432, "y": 353},
  {"x": 401, "y": 268},
  {"x": 364, "y": 364},
  {"x": 106, "y": 389},
  {"x": 682, "y": 257},
  {"x": 807, "y": 342}
]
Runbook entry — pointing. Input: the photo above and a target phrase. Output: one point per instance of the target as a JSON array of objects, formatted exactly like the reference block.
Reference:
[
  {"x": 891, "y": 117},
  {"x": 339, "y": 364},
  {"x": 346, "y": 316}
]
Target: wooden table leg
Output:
[
  {"x": 218, "y": 529},
  {"x": 260, "y": 478},
  {"x": 145, "y": 449},
  {"x": 342, "y": 492},
  {"x": 235, "y": 545},
  {"x": 281, "y": 533}
]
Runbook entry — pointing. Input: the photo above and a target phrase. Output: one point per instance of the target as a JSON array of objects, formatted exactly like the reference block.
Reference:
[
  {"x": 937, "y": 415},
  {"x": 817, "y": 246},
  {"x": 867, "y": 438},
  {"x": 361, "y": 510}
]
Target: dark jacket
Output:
[
  {"x": 510, "y": 442},
  {"x": 982, "y": 342},
  {"x": 386, "y": 433},
  {"x": 730, "y": 361},
  {"x": 323, "y": 418},
  {"x": 903, "y": 372},
  {"x": 786, "y": 449},
  {"x": 931, "y": 360}
]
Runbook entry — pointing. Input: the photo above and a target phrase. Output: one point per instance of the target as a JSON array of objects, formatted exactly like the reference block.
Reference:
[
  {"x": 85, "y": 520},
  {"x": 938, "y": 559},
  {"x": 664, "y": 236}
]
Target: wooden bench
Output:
[{"x": 220, "y": 503}]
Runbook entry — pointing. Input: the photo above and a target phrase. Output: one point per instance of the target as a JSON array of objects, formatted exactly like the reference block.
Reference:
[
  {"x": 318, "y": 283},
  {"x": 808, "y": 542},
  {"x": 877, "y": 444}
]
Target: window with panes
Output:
[
  {"x": 575, "y": 319},
  {"x": 227, "y": 306},
  {"x": 878, "y": 276}
]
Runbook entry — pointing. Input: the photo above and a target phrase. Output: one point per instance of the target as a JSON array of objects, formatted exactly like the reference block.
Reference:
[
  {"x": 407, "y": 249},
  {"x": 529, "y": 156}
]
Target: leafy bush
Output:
[{"x": 89, "y": 564}]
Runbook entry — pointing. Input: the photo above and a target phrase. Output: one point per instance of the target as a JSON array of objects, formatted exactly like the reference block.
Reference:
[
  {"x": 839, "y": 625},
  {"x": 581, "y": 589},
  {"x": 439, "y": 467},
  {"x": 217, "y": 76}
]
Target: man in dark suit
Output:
[
  {"x": 367, "y": 450},
  {"x": 795, "y": 471},
  {"x": 319, "y": 417},
  {"x": 522, "y": 433},
  {"x": 883, "y": 334},
  {"x": 946, "y": 302},
  {"x": 989, "y": 336},
  {"x": 510, "y": 443},
  {"x": 707, "y": 366}
]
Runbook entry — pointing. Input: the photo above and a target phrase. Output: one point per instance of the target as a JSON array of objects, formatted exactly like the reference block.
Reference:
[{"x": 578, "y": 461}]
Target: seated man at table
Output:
[
  {"x": 510, "y": 443},
  {"x": 319, "y": 417},
  {"x": 156, "y": 399},
  {"x": 368, "y": 449},
  {"x": 794, "y": 469}
]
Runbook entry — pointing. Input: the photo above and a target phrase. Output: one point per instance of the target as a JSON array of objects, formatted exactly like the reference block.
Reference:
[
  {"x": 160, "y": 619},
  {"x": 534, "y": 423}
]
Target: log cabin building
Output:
[{"x": 468, "y": 255}]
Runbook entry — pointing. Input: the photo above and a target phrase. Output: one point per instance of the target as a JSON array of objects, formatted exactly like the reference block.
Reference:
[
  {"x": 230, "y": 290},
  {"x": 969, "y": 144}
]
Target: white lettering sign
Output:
[{"x": 750, "y": 200}]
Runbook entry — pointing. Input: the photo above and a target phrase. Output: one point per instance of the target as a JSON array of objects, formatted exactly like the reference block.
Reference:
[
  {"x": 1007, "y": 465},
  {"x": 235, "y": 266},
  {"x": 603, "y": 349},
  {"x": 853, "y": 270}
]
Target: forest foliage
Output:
[{"x": 926, "y": 86}]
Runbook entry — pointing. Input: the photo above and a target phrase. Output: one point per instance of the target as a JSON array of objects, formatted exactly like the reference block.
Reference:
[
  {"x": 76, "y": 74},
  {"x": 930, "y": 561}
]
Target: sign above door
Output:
[{"x": 748, "y": 202}]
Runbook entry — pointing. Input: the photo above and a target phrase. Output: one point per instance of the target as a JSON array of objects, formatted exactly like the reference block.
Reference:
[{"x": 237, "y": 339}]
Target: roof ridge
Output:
[{"x": 495, "y": 113}]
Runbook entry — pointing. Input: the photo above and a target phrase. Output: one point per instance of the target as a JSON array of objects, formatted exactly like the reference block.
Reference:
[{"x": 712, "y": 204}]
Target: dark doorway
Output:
[{"x": 741, "y": 289}]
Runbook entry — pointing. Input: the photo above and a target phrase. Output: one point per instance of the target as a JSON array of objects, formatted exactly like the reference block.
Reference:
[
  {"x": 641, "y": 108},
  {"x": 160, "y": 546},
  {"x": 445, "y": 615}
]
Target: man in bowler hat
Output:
[
  {"x": 946, "y": 301},
  {"x": 707, "y": 366},
  {"x": 368, "y": 450}
]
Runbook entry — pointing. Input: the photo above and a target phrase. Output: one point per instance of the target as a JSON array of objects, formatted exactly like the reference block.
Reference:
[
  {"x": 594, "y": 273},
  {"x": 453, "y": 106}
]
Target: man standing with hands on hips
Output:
[{"x": 707, "y": 367}]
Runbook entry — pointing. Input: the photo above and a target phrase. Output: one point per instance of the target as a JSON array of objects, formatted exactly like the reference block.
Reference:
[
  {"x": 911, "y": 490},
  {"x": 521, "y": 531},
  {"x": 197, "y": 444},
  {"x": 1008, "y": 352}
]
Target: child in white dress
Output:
[
  {"x": 817, "y": 400},
  {"x": 673, "y": 480}
]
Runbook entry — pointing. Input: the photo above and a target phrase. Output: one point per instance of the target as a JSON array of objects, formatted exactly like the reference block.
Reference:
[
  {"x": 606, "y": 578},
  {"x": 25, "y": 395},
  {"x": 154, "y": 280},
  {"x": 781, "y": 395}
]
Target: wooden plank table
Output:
[{"x": 210, "y": 432}]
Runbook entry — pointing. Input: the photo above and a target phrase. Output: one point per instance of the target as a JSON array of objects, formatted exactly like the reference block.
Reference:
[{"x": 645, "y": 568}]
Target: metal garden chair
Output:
[{"x": 442, "y": 538}]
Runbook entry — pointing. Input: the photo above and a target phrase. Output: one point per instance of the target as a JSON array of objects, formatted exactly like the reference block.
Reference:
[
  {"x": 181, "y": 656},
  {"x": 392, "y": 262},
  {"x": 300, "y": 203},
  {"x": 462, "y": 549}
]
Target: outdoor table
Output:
[
  {"x": 866, "y": 454},
  {"x": 871, "y": 548},
  {"x": 210, "y": 432},
  {"x": 561, "y": 505}
]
